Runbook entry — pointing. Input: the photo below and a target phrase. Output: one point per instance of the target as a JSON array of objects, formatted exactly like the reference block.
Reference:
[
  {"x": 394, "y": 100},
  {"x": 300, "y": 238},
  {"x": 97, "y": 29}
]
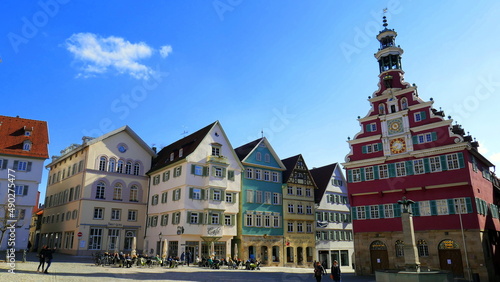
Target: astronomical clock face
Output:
[
  {"x": 395, "y": 126},
  {"x": 398, "y": 146}
]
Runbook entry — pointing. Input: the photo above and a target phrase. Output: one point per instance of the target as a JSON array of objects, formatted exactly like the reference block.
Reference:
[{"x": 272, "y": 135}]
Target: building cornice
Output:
[
  {"x": 365, "y": 139},
  {"x": 432, "y": 125}
]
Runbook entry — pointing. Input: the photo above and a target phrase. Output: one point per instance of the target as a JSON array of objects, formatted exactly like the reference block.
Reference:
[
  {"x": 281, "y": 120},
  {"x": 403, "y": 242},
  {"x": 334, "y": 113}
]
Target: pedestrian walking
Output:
[
  {"x": 188, "y": 257},
  {"x": 318, "y": 271},
  {"x": 335, "y": 271},
  {"x": 48, "y": 257},
  {"x": 41, "y": 257}
]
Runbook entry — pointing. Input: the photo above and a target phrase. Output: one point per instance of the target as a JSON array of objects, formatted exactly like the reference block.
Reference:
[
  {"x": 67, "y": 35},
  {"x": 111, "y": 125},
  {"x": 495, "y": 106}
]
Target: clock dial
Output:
[
  {"x": 398, "y": 146},
  {"x": 395, "y": 126}
]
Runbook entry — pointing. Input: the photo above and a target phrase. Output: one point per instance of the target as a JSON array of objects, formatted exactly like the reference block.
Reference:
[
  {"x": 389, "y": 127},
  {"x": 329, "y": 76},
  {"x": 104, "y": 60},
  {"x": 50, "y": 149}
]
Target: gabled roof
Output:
[
  {"x": 289, "y": 163},
  {"x": 246, "y": 150},
  {"x": 188, "y": 144},
  {"x": 243, "y": 151},
  {"x": 322, "y": 176},
  {"x": 12, "y": 137}
]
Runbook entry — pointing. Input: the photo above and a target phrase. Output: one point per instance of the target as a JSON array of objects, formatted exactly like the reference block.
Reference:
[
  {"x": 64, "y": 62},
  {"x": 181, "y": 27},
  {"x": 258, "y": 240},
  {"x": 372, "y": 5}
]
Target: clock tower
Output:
[{"x": 406, "y": 148}]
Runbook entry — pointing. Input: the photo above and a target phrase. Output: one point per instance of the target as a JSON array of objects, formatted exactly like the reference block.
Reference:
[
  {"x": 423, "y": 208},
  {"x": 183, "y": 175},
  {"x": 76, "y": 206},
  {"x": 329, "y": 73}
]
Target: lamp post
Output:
[
  {"x": 160, "y": 243},
  {"x": 469, "y": 271}
]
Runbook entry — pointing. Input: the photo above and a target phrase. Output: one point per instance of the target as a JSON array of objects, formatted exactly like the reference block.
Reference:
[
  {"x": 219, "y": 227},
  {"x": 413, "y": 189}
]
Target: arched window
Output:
[
  {"x": 137, "y": 168},
  {"x": 102, "y": 164},
  {"x": 400, "y": 248},
  {"x": 267, "y": 158},
  {"x": 258, "y": 156},
  {"x": 27, "y": 145},
  {"x": 381, "y": 109},
  {"x": 101, "y": 186},
  {"x": 134, "y": 192},
  {"x": 71, "y": 194},
  {"x": 128, "y": 168},
  {"x": 111, "y": 165},
  {"x": 77, "y": 192},
  {"x": 117, "y": 192},
  {"x": 119, "y": 167},
  {"x": 404, "y": 104},
  {"x": 423, "y": 248}
]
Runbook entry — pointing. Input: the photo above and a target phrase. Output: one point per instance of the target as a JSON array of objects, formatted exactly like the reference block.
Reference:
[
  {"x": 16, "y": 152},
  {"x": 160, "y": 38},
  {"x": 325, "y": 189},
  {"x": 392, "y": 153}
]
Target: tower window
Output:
[{"x": 393, "y": 108}]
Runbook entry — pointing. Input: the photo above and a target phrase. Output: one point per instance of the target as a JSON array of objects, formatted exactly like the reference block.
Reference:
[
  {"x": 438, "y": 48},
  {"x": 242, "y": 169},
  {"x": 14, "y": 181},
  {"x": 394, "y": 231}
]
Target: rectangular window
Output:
[
  {"x": 227, "y": 220},
  {"x": 196, "y": 194},
  {"x": 164, "y": 197},
  {"x": 218, "y": 172},
  {"x": 249, "y": 173},
  {"x": 300, "y": 209},
  {"x": 267, "y": 198},
  {"x": 452, "y": 161},
  {"x": 435, "y": 163},
  {"x": 132, "y": 215},
  {"x": 156, "y": 179},
  {"x": 309, "y": 228},
  {"x": 418, "y": 166},
  {"x": 258, "y": 174},
  {"x": 369, "y": 173},
  {"x": 442, "y": 207},
  {"x": 421, "y": 139},
  {"x": 276, "y": 221},
  {"x": 250, "y": 196},
  {"x": 22, "y": 165},
  {"x": 177, "y": 194},
  {"x": 299, "y": 191},
  {"x": 383, "y": 171},
  {"x": 215, "y": 151},
  {"x": 194, "y": 218},
  {"x": 266, "y": 175},
  {"x": 116, "y": 214},
  {"x": 95, "y": 238},
  {"x": 418, "y": 116},
  {"x": 276, "y": 199},
  {"x": 290, "y": 227},
  {"x": 258, "y": 220},
  {"x": 374, "y": 212},
  {"x": 198, "y": 170},
  {"x": 249, "y": 219},
  {"x": 229, "y": 197},
  {"x": 258, "y": 197},
  {"x": 356, "y": 175},
  {"x": 460, "y": 206},
  {"x": 361, "y": 212},
  {"x": 424, "y": 208},
  {"x": 164, "y": 220},
  {"x": 388, "y": 211},
  {"x": 308, "y": 192},
  {"x": 290, "y": 190},
  {"x": 428, "y": 137},
  {"x": 400, "y": 169},
  {"x": 300, "y": 227},
  {"x": 275, "y": 177},
  {"x": 98, "y": 213},
  {"x": 177, "y": 171},
  {"x": 290, "y": 208},
  {"x": 309, "y": 210},
  {"x": 217, "y": 195},
  {"x": 267, "y": 220}
]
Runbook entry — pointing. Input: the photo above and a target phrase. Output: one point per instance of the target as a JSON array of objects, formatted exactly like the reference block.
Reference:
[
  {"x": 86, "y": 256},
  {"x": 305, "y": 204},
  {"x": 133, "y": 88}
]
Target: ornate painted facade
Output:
[{"x": 408, "y": 148}]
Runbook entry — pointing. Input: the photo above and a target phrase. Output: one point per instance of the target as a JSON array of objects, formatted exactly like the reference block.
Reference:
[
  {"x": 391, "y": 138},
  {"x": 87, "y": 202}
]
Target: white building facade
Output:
[
  {"x": 193, "y": 200},
  {"x": 23, "y": 150},
  {"x": 334, "y": 237}
]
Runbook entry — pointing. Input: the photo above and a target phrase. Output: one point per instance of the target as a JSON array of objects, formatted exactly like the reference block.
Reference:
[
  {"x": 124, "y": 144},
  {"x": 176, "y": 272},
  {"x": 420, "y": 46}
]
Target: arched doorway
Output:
[
  {"x": 300, "y": 255},
  {"x": 450, "y": 257},
  {"x": 264, "y": 257},
  {"x": 379, "y": 256}
]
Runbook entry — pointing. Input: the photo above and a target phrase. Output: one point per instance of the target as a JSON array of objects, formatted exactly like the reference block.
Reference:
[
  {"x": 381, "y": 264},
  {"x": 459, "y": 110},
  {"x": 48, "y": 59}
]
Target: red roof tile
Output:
[{"x": 12, "y": 137}]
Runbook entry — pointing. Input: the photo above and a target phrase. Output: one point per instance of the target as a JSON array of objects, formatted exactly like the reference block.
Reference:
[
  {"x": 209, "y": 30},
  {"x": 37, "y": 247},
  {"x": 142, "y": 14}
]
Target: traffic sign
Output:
[{"x": 80, "y": 234}]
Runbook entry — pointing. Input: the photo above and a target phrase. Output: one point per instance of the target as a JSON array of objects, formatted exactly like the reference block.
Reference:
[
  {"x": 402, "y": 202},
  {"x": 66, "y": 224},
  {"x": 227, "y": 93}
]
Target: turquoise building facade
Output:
[{"x": 260, "y": 223}]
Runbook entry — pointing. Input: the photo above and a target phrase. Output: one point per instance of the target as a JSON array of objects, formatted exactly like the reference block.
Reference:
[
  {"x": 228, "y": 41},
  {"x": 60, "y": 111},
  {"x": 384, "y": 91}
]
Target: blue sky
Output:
[{"x": 300, "y": 71}]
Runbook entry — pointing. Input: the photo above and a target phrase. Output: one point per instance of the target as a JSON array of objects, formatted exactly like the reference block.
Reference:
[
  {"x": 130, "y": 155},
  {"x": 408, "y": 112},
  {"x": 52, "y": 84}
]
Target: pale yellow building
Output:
[{"x": 96, "y": 195}]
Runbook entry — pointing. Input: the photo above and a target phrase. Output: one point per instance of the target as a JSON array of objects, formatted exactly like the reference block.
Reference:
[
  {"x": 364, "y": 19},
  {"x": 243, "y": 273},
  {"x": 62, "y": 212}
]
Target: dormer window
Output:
[
  {"x": 181, "y": 152},
  {"x": 216, "y": 150},
  {"x": 27, "y": 145},
  {"x": 27, "y": 131},
  {"x": 171, "y": 156}
]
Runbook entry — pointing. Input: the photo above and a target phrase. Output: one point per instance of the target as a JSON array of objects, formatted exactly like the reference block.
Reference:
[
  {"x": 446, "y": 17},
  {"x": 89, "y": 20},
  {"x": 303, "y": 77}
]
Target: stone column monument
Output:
[{"x": 412, "y": 262}]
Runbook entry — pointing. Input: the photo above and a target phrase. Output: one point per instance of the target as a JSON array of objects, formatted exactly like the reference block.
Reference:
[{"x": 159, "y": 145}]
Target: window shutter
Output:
[
  {"x": 173, "y": 195},
  {"x": 4, "y": 163},
  {"x": 190, "y": 192},
  {"x": 223, "y": 195},
  {"x": 188, "y": 218},
  {"x": 427, "y": 167},
  {"x": 423, "y": 115},
  {"x": 233, "y": 220},
  {"x": 444, "y": 165},
  {"x": 202, "y": 194},
  {"x": 362, "y": 172},
  {"x": 230, "y": 174},
  {"x": 180, "y": 171},
  {"x": 367, "y": 212},
  {"x": 392, "y": 170},
  {"x": 200, "y": 218},
  {"x": 434, "y": 136},
  {"x": 25, "y": 190},
  {"x": 381, "y": 211},
  {"x": 173, "y": 218},
  {"x": 380, "y": 147},
  {"x": 415, "y": 139},
  {"x": 451, "y": 206},
  {"x": 461, "y": 159},
  {"x": 375, "y": 172},
  {"x": 16, "y": 164},
  {"x": 211, "y": 194},
  {"x": 415, "y": 209},
  {"x": 397, "y": 210},
  {"x": 349, "y": 176},
  {"x": 363, "y": 149},
  {"x": 354, "y": 215},
  {"x": 223, "y": 172},
  {"x": 468, "y": 204},
  {"x": 409, "y": 167},
  {"x": 205, "y": 171},
  {"x": 368, "y": 128},
  {"x": 433, "y": 207},
  {"x": 193, "y": 168}
]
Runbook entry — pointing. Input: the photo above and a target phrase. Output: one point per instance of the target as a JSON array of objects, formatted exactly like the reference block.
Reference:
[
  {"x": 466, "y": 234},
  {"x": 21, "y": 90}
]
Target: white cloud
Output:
[
  {"x": 495, "y": 158},
  {"x": 165, "y": 51},
  {"x": 99, "y": 55}
]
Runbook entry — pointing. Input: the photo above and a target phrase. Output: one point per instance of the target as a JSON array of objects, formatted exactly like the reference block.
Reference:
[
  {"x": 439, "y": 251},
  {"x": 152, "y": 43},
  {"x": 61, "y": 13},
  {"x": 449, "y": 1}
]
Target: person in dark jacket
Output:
[
  {"x": 336, "y": 271},
  {"x": 48, "y": 257},
  {"x": 318, "y": 271},
  {"x": 41, "y": 257}
]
